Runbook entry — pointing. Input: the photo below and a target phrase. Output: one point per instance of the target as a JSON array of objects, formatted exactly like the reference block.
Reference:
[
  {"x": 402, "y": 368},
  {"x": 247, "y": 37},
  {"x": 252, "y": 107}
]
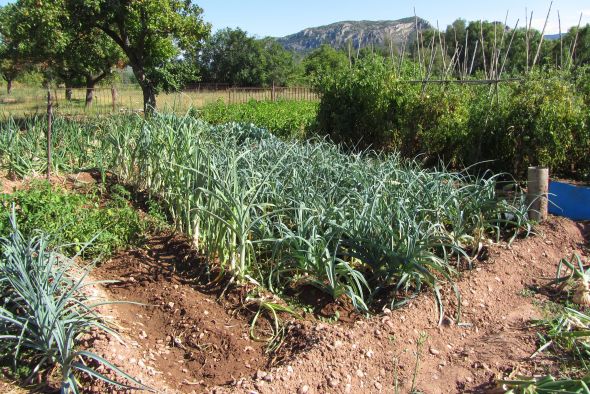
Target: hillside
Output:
[{"x": 338, "y": 35}]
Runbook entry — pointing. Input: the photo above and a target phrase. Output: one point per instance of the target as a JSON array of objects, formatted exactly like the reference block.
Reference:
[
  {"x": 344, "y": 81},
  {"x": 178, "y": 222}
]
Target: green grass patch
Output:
[{"x": 73, "y": 219}]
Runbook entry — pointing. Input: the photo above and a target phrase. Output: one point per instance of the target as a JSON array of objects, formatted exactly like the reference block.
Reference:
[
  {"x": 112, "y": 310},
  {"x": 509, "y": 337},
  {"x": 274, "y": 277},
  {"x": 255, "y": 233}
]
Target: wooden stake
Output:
[
  {"x": 49, "y": 126},
  {"x": 537, "y": 193},
  {"x": 542, "y": 36},
  {"x": 114, "y": 98}
]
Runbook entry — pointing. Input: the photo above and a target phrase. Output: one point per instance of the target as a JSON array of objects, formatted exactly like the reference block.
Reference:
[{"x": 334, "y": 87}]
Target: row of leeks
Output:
[
  {"x": 285, "y": 213},
  {"x": 291, "y": 213}
]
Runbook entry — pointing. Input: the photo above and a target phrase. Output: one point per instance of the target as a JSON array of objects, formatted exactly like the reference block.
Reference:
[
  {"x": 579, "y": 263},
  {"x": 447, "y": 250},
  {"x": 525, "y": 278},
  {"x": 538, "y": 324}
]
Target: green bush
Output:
[
  {"x": 357, "y": 107},
  {"x": 287, "y": 119},
  {"x": 74, "y": 219},
  {"x": 542, "y": 120}
]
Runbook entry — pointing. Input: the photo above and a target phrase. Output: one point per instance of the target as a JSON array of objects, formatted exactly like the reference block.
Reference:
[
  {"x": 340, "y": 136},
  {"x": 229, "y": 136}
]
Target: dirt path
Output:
[{"x": 182, "y": 337}]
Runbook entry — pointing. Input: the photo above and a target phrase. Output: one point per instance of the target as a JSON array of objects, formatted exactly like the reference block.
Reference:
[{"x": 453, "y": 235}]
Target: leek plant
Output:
[
  {"x": 288, "y": 213},
  {"x": 44, "y": 311}
]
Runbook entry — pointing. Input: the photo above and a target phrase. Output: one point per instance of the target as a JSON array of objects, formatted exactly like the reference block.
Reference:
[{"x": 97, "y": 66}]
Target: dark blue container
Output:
[{"x": 570, "y": 201}]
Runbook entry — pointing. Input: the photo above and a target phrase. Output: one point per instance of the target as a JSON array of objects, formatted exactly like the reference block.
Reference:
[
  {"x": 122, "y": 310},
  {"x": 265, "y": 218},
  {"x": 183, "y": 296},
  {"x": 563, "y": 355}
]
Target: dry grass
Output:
[{"x": 26, "y": 100}]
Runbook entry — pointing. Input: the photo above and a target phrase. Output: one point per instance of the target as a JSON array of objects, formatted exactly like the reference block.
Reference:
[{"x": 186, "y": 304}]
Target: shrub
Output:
[
  {"x": 542, "y": 120},
  {"x": 356, "y": 106}
]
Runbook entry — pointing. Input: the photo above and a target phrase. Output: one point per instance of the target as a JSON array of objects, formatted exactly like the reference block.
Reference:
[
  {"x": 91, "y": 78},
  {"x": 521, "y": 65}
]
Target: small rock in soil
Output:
[{"x": 303, "y": 389}]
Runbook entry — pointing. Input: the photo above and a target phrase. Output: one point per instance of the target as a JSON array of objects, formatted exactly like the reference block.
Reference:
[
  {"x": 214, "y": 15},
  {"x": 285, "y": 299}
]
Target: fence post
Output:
[
  {"x": 272, "y": 93},
  {"x": 114, "y": 98},
  {"x": 537, "y": 193},
  {"x": 49, "y": 126}
]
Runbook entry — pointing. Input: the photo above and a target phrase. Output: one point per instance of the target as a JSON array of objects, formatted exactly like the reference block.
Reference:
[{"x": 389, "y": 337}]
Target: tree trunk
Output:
[
  {"x": 9, "y": 86},
  {"x": 89, "y": 91},
  {"x": 149, "y": 99},
  {"x": 69, "y": 93},
  {"x": 149, "y": 93}
]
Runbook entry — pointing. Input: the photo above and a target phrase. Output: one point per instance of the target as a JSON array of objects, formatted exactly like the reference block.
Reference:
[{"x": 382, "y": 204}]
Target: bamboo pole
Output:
[{"x": 542, "y": 36}]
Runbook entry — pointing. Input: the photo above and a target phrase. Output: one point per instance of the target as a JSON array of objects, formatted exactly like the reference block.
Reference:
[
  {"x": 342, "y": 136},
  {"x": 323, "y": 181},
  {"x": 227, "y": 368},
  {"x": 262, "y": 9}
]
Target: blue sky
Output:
[{"x": 282, "y": 17}]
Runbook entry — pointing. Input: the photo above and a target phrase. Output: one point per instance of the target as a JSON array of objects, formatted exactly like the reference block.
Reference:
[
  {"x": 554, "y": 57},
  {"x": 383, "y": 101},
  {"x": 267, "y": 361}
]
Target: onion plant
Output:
[{"x": 44, "y": 311}]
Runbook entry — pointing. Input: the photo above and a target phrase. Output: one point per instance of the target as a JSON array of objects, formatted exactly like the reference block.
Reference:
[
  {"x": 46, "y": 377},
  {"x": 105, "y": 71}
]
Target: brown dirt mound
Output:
[{"x": 184, "y": 338}]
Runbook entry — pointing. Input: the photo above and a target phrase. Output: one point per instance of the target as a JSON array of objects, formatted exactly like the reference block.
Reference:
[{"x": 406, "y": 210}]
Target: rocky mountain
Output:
[{"x": 363, "y": 33}]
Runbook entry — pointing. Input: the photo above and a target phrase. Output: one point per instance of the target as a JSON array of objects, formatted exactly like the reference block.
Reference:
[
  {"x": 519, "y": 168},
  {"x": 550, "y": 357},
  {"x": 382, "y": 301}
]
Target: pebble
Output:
[
  {"x": 378, "y": 386},
  {"x": 333, "y": 383},
  {"x": 304, "y": 389},
  {"x": 260, "y": 374},
  {"x": 434, "y": 351}
]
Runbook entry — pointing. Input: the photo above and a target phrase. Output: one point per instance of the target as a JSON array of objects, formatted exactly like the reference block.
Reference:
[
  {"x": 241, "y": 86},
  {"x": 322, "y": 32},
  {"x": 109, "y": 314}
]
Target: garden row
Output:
[{"x": 285, "y": 214}]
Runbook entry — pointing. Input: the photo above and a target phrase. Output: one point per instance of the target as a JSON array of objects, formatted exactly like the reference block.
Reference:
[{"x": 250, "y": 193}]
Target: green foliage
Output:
[
  {"x": 74, "y": 219},
  {"x": 355, "y": 104},
  {"x": 44, "y": 311},
  {"x": 542, "y": 120},
  {"x": 543, "y": 123},
  {"x": 233, "y": 57},
  {"x": 290, "y": 119},
  {"x": 151, "y": 33},
  {"x": 65, "y": 53},
  {"x": 324, "y": 61},
  {"x": 13, "y": 61}
]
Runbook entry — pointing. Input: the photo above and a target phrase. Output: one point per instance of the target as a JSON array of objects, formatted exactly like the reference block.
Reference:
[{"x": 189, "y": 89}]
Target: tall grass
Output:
[{"x": 287, "y": 214}]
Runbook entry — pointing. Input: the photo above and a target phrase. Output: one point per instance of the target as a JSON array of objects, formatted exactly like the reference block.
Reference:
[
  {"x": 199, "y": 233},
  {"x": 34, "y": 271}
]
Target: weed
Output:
[{"x": 73, "y": 219}]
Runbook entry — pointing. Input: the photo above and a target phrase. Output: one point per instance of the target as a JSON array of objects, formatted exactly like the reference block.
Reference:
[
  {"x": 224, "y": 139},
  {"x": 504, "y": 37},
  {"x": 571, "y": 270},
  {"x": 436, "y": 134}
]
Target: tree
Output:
[
  {"x": 13, "y": 61},
  {"x": 324, "y": 60},
  {"x": 153, "y": 34},
  {"x": 279, "y": 64},
  {"x": 76, "y": 57},
  {"x": 231, "y": 56}
]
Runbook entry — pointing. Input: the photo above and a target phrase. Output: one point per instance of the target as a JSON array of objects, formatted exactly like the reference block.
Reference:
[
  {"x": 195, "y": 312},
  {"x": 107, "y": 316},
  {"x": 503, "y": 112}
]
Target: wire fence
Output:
[
  {"x": 297, "y": 93},
  {"x": 110, "y": 100}
]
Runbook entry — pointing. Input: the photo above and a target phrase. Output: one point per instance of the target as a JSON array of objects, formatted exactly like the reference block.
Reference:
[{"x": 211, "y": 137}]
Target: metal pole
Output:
[
  {"x": 49, "y": 126},
  {"x": 537, "y": 193}
]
